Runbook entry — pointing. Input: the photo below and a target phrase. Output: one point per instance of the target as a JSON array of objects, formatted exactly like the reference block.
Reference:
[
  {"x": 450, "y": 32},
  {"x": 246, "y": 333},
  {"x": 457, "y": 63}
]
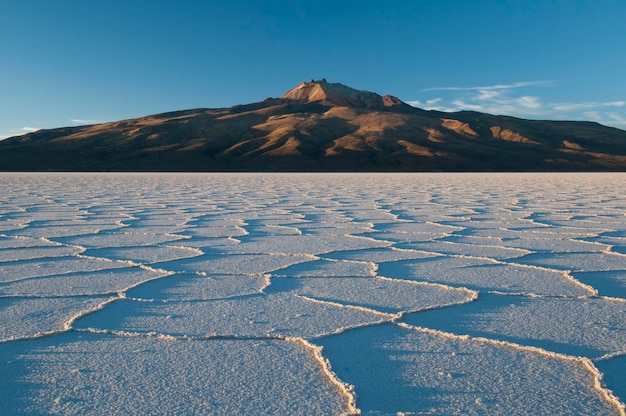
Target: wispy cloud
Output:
[
  {"x": 497, "y": 99},
  {"x": 18, "y": 132},
  {"x": 587, "y": 106},
  {"x": 617, "y": 120},
  {"x": 520, "y": 99},
  {"x": 84, "y": 121},
  {"x": 436, "y": 104},
  {"x": 512, "y": 85}
]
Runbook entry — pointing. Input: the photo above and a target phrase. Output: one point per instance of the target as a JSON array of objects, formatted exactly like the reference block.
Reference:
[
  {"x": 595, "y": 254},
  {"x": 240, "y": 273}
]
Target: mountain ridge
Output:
[
  {"x": 341, "y": 95},
  {"x": 320, "y": 126}
]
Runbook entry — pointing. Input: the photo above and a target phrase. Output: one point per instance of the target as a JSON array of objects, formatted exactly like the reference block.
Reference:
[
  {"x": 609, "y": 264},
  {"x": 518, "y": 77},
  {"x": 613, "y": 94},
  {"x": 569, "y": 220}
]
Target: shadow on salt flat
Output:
[
  {"x": 32, "y": 253},
  {"x": 559, "y": 232},
  {"x": 327, "y": 268},
  {"x": 593, "y": 223},
  {"x": 376, "y": 255},
  {"x": 24, "y": 242},
  {"x": 397, "y": 370},
  {"x": 193, "y": 287},
  {"x": 338, "y": 229},
  {"x": 11, "y": 227},
  {"x": 613, "y": 370},
  {"x": 403, "y": 238},
  {"x": 373, "y": 293},
  {"x": 26, "y": 317},
  {"x": 443, "y": 247},
  {"x": 312, "y": 244},
  {"x": 483, "y": 275},
  {"x": 34, "y": 230},
  {"x": 256, "y": 315},
  {"x": 592, "y": 328},
  {"x": 620, "y": 233},
  {"x": 28, "y": 269},
  {"x": 429, "y": 227},
  {"x": 145, "y": 254},
  {"x": 581, "y": 262},
  {"x": 159, "y": 229},
  {"x": 120, "y": 239},
  {"x": 80, "y": 283},
  {"x": 214, "y": 232},
  {"x": 553, "y": 244},
  {"x": 619, "y": 248},
  {"x": 607, "y": 283},
  {"x": 79, "y": 373},
  {"x": 265, "y": 227},
  {"x": 233, "y": 264}
]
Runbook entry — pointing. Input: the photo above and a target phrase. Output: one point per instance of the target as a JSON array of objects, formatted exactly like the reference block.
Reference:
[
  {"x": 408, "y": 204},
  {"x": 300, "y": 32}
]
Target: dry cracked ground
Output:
[{"x": 332, "y": 294}]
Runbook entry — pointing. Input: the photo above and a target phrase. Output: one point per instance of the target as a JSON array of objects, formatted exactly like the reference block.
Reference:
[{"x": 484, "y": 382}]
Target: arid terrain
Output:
[{"x": 320, "y": 126}]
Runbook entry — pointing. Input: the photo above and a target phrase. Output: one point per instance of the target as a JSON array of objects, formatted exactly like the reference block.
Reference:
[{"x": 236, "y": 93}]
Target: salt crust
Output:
[{"x": 312, "y": 294}]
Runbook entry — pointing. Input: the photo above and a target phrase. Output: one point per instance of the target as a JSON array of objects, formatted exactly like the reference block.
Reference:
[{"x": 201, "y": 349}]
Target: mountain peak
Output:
[{"x": 336, "y": 94}]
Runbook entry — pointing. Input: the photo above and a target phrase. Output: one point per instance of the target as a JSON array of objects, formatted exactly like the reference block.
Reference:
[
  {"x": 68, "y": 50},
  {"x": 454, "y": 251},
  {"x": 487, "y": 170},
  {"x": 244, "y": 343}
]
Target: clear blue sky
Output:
[{"x": 66, "y": 63}]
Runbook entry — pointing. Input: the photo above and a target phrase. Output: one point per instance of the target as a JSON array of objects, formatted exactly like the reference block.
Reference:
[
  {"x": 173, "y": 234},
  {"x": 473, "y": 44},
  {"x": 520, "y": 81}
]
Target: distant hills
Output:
[{"x": 320, "y": 126}]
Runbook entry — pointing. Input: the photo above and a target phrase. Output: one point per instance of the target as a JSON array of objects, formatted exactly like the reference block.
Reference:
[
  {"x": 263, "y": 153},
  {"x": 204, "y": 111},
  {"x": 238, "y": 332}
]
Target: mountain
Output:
[
  {"x": 339, "y": 95},
  {"x": 320, "y": 126}
]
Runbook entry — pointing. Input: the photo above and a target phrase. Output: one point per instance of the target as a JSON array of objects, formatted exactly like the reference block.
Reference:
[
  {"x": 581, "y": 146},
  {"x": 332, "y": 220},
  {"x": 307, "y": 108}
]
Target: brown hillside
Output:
[{"x": 320, "y": 126}]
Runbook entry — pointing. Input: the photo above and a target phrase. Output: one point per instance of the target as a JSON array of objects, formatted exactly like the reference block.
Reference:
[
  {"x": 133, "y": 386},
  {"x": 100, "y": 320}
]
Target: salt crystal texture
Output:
[{"x": 377, "y": 294}]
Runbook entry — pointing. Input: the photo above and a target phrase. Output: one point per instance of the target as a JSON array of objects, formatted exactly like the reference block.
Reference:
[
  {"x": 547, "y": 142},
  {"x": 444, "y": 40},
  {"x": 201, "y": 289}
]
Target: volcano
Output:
[{"x": 320, "y": 126}]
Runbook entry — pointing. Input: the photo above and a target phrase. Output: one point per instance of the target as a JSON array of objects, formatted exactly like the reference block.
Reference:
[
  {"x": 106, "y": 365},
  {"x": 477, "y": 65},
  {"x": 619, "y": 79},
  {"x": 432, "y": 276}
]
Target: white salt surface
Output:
[
  {"x": 381, "y": 294},
  {"x": 77, "y": 373}
]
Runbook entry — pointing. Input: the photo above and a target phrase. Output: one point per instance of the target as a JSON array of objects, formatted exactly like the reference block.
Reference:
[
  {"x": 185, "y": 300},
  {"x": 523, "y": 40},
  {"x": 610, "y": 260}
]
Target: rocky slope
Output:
[{"x": 320, "y": 126}]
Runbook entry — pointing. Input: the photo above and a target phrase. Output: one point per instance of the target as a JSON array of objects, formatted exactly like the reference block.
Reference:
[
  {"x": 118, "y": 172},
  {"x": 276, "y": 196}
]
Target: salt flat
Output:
[{"x": 378, "y": 294}]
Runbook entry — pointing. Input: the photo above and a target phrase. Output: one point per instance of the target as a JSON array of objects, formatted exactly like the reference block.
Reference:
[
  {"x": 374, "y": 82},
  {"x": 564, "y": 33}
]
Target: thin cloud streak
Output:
[
  {"x": 590, "y": 105},
  {"x": 83, "y": 121},
  {"x": 545, "y": 83}
]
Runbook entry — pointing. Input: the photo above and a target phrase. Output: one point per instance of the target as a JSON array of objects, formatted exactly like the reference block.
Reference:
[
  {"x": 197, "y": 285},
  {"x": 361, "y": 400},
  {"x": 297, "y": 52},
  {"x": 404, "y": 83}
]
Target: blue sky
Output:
[{"x": 66, "y": 63}]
